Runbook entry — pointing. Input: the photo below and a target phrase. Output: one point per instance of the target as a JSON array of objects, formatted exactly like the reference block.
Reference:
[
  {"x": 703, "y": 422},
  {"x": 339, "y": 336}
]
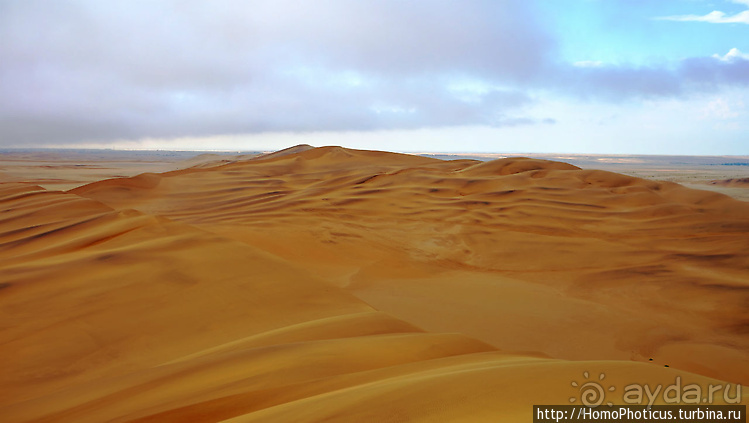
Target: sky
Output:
[{"x": 554, "y": 76}]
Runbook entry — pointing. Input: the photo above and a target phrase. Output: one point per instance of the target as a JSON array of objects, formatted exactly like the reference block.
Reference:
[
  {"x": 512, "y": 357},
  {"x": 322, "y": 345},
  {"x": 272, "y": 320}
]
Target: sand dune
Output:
[
  {"x": 343, "y": 285},
  {"x": 733, "y": 182}
]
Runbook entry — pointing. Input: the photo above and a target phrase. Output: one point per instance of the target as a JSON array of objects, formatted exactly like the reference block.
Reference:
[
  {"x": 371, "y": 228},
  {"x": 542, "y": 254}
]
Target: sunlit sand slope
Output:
[
  {"x": 339, "y": 285},
  {"x": 109, "y": 313},
  {"x": 527, "y": 255}
]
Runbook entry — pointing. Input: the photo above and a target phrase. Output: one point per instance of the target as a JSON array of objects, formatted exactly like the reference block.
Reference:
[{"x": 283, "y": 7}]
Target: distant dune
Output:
[
  {"x": 330, "y": 284},
  {"x": 733, "y": 182}
]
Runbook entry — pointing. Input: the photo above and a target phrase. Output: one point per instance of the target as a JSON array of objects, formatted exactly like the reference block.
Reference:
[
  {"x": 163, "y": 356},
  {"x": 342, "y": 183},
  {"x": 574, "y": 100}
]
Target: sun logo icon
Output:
[{"x": 592, "y": 394}]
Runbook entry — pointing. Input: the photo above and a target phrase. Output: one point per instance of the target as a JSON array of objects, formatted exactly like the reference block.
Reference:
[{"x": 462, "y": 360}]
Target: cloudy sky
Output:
[{"x": 588, "y": 76}]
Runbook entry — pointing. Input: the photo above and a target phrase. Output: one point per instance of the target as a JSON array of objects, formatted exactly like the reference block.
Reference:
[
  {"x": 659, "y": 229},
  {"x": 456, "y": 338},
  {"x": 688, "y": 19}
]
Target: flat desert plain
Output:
[{"x": 330, "y": 284}]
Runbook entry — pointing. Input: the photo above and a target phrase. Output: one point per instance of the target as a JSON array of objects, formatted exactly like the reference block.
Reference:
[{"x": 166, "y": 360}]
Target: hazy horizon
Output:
[{"x": 478, "y": 155}]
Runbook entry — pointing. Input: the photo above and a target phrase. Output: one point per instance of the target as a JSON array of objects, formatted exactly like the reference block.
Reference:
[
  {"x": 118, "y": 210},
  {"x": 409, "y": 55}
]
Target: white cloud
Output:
[
  {"x": 715, "y": 16},
  {"x": 732, "y": 54}
]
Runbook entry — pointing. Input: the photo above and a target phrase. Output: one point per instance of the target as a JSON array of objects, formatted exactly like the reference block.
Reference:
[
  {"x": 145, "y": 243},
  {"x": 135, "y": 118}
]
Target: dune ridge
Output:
[{"x": 346, "y": 285}]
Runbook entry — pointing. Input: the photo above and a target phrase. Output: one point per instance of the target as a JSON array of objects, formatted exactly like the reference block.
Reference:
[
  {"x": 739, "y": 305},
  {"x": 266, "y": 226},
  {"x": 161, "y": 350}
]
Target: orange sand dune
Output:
[{"x": 328, "y": 284}]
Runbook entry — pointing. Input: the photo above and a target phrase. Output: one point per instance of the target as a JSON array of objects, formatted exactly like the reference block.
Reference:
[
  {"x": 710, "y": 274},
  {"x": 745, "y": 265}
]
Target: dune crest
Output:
[{"x": 510, "y": 166}]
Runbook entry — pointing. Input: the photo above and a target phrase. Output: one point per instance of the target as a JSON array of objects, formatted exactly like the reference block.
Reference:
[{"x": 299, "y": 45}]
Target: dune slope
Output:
[
  {"x": 639, "y": 269},
  {"x": 111, "y": 311},
  {"x": 328, "y": 284}
]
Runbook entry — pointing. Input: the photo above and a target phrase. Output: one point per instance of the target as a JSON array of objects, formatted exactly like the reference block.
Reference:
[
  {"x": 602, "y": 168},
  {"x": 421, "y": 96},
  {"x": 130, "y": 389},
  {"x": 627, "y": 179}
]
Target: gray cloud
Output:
[
  {"x": 618, "y": 82},
  {"x": 88, "y": 70},
  {"x": 74, "y": 71}
]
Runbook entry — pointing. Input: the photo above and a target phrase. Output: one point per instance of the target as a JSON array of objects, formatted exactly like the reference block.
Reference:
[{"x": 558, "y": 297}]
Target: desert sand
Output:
[
  {"x": 724, "y": 174},
  {"x": 330, "y": 284},
  {"x": 66, "y": 169}
]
